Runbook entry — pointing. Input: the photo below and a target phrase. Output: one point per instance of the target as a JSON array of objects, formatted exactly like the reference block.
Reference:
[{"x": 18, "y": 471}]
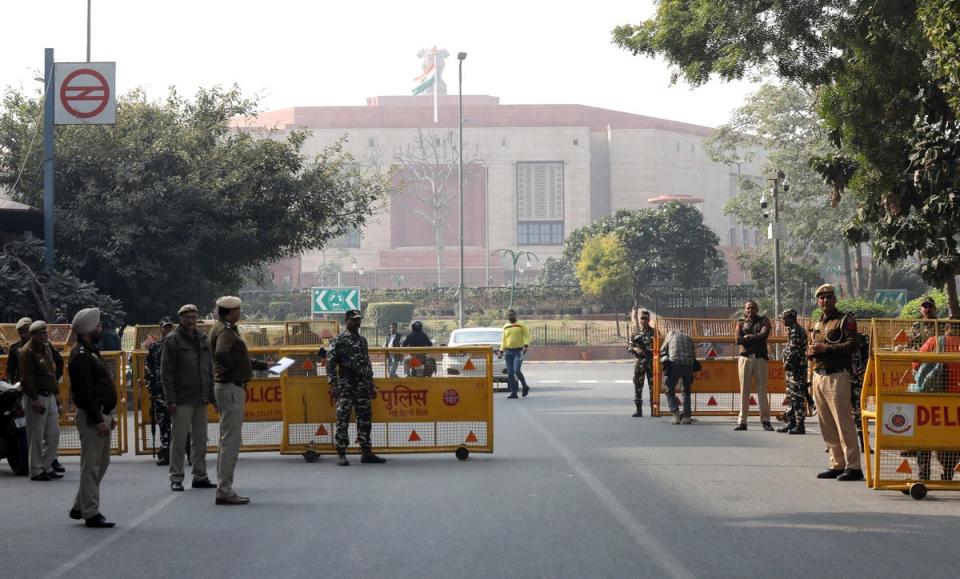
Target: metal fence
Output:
[{"x": 578, "y": 333}]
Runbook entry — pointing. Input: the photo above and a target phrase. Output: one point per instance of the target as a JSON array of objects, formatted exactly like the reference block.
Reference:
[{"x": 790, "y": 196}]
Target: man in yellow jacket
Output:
[{"x": 513, "y": 345}]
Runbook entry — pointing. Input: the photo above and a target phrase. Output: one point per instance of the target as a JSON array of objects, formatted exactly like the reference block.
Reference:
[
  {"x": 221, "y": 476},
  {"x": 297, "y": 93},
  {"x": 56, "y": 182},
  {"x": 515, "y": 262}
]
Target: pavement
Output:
[{"x": 576, "y": 487}]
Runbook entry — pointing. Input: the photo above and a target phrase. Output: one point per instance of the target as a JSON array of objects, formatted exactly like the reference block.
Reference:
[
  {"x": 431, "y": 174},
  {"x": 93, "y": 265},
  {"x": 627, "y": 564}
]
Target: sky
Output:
[{"x": 339, "y": 52}]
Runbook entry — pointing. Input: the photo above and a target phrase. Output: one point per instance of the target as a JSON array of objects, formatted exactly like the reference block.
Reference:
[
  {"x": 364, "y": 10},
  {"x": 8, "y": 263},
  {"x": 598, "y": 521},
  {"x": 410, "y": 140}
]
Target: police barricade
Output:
[
  {"x": 259, "y": 334},
  {"x": 69, "y": 436},
  {"x": 716, "y": 387},
  {"x": 911, "y": 398},
  {"x": 429, "y": 400},
  {"x": 60, "y": 335}
]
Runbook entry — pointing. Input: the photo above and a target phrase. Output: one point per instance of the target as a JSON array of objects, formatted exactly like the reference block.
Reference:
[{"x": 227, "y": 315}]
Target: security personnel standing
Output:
[
  {"x": 833, "y": 342},
  {"x": 795, "y": 373},
  {"x": 232, "y": 369},
  {"x": 751, "y": 333},
  {"x": 350, "y": 374},
  {"x": 23, "y": 330},
  {"x": 40, "y": 371},
  {"x": 96, "y": 398},
  {"x": 158, "y": 400},
  {"x": 641, "y": 346}
]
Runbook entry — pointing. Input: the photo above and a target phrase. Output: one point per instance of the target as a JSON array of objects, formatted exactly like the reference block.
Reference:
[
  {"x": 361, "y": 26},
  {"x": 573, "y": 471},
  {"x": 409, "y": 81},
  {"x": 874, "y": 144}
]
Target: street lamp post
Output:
[
  {"x": 515, "y": 257},
  {"x": 460, "y": 57},
  {"x": 775, "y": 232},
  {"x": 357, "y": 272}
]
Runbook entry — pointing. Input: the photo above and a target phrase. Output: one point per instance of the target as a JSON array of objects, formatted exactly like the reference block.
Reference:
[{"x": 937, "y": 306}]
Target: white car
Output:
[{"x": 475, "y": 337}]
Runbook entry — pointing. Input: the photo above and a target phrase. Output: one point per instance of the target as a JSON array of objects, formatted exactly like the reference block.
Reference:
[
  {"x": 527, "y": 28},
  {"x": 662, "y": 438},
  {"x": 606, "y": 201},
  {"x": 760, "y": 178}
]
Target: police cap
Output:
[
  {"x": 825, "y": 289},
  {"x": 788, "y": 313},
  {"x": 352, "y": 315}
]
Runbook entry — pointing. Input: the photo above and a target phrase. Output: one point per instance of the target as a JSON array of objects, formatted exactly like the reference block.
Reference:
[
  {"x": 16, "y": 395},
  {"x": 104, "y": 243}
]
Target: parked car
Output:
[{"x": 475, "y": 337}]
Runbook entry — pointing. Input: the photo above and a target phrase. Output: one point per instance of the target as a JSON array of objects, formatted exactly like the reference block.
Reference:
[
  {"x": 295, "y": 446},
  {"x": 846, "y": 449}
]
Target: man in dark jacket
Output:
[
  {"x": 96, "y": 398},
  {"x": 418, "y": 364},
  {"x": 187, "y": 369}
]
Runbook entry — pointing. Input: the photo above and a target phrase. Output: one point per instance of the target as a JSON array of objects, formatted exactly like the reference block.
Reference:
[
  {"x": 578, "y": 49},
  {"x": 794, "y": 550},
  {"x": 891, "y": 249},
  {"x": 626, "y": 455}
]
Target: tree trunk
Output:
[
  {"x": 438, "y": 239},
  {"x": 950, "y": 288},
  {"x": 847, "y": 270},
  {"x": 861, "y": 275},
  {"x": 872, "y": 277}
]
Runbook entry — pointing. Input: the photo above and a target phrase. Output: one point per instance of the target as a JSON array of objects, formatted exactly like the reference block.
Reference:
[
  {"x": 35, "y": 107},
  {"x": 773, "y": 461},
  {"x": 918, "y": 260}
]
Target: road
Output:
[{"x": 576, "y": 488}]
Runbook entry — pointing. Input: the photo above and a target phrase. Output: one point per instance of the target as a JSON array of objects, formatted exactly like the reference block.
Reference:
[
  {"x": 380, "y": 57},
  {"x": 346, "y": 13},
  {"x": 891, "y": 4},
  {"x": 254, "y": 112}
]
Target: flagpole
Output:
[{"x": 436, "y": 81}]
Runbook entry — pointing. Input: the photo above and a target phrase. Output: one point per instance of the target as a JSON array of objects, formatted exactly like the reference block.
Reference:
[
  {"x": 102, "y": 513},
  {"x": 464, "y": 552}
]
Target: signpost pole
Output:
[{"x": 48, "y": 134}]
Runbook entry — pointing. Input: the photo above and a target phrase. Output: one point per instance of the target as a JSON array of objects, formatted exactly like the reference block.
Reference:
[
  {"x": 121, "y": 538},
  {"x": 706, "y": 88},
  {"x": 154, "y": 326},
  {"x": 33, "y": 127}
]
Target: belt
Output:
[{"x": 827, "y": 371}]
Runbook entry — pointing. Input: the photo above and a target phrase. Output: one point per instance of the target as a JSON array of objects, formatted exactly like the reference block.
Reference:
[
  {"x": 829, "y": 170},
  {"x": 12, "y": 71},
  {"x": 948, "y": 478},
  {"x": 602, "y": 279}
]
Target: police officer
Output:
[
  {"x": 187, "y": 370},
  {"x": 350, "y": 374},
  {"x": 232, "y": 369},
  {"x": 751, "y": 333},
  {"x": 833, "y": 342},
  {"x": 795, "y": 373},
  {"x": 921, "y": 331},
  {"x": 641, "y": 346},
  {"x": 23, "y": 330},
  {"x": 96, "y": 398},
  {"x": 155, "y": 388},
  {"x": 40, "y": 371}
]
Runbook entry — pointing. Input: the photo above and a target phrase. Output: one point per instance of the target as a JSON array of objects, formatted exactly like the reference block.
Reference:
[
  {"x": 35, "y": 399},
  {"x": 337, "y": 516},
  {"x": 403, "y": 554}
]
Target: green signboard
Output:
[
  {"x": 891, "y": 297},
  {"x": 331, "y": 300}
]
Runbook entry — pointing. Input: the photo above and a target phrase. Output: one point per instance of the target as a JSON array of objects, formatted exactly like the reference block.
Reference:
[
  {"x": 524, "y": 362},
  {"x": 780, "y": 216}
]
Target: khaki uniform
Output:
[
  {"x": 831, "y": 388},
  {"x": 753, "y": 365},
  {"x": 40, "y": 371}
]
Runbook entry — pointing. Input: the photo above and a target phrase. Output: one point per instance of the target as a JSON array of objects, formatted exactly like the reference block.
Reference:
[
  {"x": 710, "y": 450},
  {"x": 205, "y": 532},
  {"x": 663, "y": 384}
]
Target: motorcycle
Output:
[{"x": 13, "y": 429}]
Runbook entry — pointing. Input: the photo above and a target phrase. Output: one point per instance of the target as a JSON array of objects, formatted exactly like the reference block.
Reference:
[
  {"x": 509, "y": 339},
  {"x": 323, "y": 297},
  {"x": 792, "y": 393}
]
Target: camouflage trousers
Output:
[
  {"x": 164, "y": 425},
  {"x": 353, "y": 399},
  {"x": 642, "y": 369},
  {"x": 796, "y": 396}
]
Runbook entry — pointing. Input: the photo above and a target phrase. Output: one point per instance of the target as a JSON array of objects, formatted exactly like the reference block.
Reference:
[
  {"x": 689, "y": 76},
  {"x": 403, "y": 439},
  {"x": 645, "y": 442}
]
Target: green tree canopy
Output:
[
  {"x": 801, "y": 277},
  {"x": 172, "y": 204},
  {"x": 604, "y": 269}
]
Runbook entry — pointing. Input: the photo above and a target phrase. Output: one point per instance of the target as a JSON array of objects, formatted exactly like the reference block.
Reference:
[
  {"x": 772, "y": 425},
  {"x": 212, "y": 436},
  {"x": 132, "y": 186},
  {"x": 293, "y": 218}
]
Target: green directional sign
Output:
[
  {"x": 331, "y": 300},
  {"x": 891, "y": 297}
]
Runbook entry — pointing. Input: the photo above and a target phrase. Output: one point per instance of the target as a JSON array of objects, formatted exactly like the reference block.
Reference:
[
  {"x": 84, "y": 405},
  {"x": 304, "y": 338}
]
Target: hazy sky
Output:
[{"x": 300, "y": 53}]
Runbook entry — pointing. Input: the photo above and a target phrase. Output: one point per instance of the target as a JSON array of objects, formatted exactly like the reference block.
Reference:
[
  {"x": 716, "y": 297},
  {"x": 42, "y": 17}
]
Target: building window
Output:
[
  {"x": 540, "y": 233},
  {"x": 349, "y": 239}
]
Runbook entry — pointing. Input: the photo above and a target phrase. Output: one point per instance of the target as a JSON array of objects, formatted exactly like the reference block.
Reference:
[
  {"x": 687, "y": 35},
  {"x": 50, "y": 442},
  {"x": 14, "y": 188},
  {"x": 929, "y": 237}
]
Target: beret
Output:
[
  {"x": 86, "y": 321},
  {"x": 229, "y": 302},
  {"x": 928, "y": 300}
]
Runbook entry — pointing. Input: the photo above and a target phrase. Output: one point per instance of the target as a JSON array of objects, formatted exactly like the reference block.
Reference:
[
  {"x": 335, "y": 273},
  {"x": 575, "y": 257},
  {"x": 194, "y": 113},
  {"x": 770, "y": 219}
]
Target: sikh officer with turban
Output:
[{"x": 95, "y": 395}]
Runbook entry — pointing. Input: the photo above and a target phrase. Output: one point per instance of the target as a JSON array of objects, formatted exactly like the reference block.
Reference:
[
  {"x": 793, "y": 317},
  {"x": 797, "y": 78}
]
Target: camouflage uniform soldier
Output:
[
  {"x": 860, "y": 358},
  {"x": 921, "y": 331},
  {"x": 155, "y": 388},
  {"x": 350, "y": 374},
  {"x": 641, "y": 346},
  {"x": 795, "y": 373}
]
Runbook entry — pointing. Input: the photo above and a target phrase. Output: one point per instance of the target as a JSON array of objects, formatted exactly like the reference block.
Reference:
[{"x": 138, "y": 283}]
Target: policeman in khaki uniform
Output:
[
  {"x": 40, "y": 371},
  {"x": 232, "y": 369},
  {"x": 833, "y": 340},
  {"x": 96, "y": 398}
]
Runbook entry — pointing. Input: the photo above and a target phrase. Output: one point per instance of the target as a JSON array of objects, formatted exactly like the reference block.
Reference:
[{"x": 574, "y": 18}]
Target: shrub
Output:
[
  {"x": 912, "y": 308},
  {"x": 381, "y": 314},
  {"x": 859, "y": 307}
]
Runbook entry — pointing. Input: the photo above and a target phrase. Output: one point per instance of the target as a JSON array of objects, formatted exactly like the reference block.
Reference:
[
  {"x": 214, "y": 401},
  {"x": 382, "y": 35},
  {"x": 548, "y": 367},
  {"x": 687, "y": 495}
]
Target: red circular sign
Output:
[
  {"x": 451, "y": 397},
  {"x": 91, "y": 87}
]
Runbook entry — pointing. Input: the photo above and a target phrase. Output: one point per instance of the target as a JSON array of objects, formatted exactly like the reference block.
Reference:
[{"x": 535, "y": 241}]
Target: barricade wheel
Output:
[
  {"x": 310, "y": 456},
  {"x": 918, "y": 491},
  {"x": 462, "y": 453}
]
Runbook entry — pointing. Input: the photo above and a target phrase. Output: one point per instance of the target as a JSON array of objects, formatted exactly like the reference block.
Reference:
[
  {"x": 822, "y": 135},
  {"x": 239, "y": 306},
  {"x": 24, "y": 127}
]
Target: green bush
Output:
[
  {"x": 381, "y": 314},
  {"x": 859, "y": 307},
  {"x": 911, "y": 309},
  {"x": 279, "y": 310}
]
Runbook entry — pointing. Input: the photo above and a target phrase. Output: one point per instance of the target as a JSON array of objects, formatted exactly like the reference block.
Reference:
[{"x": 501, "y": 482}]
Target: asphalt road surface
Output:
[{"x": 575, "y": 488}]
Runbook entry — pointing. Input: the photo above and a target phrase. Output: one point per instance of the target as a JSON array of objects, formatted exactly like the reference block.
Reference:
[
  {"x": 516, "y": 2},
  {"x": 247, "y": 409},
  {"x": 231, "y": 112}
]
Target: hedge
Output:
[{"x": 382, "y": 314}]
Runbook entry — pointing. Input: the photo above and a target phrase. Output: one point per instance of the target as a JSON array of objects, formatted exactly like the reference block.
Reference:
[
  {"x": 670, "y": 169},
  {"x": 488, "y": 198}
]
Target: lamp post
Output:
[
  {"x": 774, "y": 231},
  {"x": 515, "y": 257},
  {"x": 357, "y": 272},
  {"x": 460, "y": 58}
]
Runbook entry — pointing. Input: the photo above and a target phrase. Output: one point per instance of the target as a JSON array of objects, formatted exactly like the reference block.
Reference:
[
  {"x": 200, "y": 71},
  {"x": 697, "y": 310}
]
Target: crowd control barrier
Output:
[
  {"x": 69, "y": 436},
  {"x": 716, "y": 387},
  {"x": 429, "y": 400},
  {"x": 60, "y": 336},
  {"x": 259, "y": 334},
  {"x": 911, "y": 398}
]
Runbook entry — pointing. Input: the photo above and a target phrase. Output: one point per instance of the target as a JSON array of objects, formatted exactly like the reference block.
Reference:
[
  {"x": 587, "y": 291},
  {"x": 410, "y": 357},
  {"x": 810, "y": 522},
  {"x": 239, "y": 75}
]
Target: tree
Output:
[
  {"x": 29, "y": 290},
  {"x": 557, "y": 272},
  {"x": 800, "y": 278},
  {"x": 429, "y": 185},
  {"x": 604, "y": 270},
  {"x": 172, "y": 204},
  {"x": 669, "y": 245},
  {"x": 867, "y": 60}
]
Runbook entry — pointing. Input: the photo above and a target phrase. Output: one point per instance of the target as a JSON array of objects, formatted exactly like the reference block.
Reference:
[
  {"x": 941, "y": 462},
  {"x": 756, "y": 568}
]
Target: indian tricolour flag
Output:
[{"x": 427, "y": 80}]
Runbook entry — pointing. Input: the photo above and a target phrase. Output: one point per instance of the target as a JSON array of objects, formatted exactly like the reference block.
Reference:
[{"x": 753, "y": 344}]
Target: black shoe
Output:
[
  {"x": 851, "y": 474},
  {"x": 163, "y": 462},
  {"x": 98, "y": 522},
  {"x": 790, "y": 426},
  {"x": 203, "y": 484},
  {"x": 176, "y": 486},
  {"x": 54, "y": 474},
  {"x": 42, "y": 477},
  {"x": 638, "y": 414},
  {"x": 57, "y": 467},
  {"x": 767, "y": 426},
  {"x": 798, "y": 429},
  {"x": 370, "y": 458},
  {"x": 342, "y": 460},
  {"x": 831, "y": 473},
  {"x": 514, "y": 395},
  {"x": 525, "y": 391},
  {"x": 741, "y": 427},
  {"x": 75, "y": 514}
]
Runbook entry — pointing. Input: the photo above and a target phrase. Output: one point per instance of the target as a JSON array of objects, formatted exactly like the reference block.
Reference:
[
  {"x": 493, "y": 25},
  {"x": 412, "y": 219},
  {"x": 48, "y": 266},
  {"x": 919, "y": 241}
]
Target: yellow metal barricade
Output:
[
  {"x": 60, "y": 335},
  {"x": 69, "y": 436},
  {"x": 912, "y": 402},
  {"x": 439, "y": 400},
  {"x": 716, "y": 388}
]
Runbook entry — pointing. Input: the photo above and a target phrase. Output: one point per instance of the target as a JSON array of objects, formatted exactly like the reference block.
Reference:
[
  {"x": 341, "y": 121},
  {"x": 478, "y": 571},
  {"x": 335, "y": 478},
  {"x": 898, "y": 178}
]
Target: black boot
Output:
[
  {"x": 798, "y": 429},
  {"x": 367, "y": 457},
  {"x": 790, "y": 426},
  {"x": 342, "y": 458},
  {"x": 639, "y": 411},
  {"x": 163, "y": 457}
]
